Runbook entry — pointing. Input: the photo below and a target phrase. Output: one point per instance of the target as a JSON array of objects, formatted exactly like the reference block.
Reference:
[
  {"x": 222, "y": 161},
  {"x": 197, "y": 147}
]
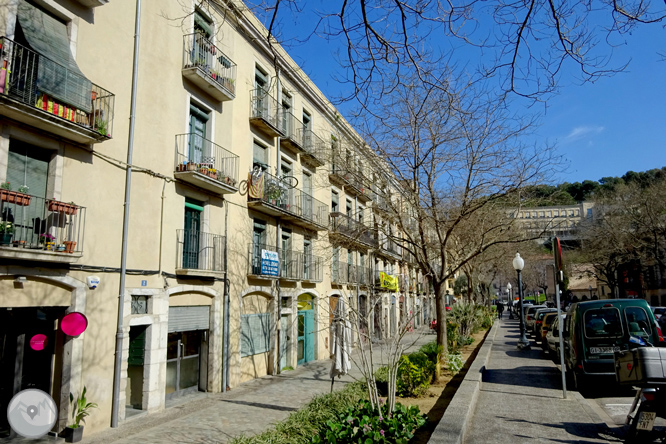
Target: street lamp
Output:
[
  {"x": 518, "y": 264},
  {"x": 589, "y": 287},
  {"x": 510, "y": 302}
]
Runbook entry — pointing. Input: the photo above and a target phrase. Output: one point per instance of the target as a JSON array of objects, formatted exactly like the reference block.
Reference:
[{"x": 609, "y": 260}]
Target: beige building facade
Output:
[{"x": 253, "y": 207}]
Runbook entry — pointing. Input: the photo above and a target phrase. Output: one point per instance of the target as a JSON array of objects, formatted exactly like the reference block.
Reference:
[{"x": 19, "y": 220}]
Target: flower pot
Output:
[
  {"x": 191, "y": 166},
  {"x": 74, "y": 434},
  {"x": 50, "y": 246},
  {"x": 60, "y": 248},
  {"x": 21, "y": 199},
  {"x": 5, "y": 238},
  {"x": 62, "y": 207},
  {"x": 69, "y": 246}
]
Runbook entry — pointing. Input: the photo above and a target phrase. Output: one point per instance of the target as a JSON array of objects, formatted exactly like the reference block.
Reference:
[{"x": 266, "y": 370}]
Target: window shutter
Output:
[
  {"x": 255, "y": 334},
  {"x": 28, "y": 167}
]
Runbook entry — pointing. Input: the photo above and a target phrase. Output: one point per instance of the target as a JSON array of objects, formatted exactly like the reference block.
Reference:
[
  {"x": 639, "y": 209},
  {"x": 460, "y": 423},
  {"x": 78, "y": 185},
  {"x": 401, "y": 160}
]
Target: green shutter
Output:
[
  {"x": 28, "y": 165},
  {"x": 58, "y": 74}
]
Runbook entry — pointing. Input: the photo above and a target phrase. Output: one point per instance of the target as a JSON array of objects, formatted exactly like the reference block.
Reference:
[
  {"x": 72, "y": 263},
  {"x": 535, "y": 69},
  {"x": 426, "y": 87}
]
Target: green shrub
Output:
[
  {"x": 432, "y": 351},
  {"x": 381, "y": 380},
  {"x": 310, "y": 420},
  {"x": 452, "y": 335},
  {"x": 414, "y": 380},
  {"x": 363, "y": 424}
]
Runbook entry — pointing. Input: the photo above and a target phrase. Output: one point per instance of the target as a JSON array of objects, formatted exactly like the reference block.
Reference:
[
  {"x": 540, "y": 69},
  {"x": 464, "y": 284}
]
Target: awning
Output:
[{"x": 58, "y": 75}]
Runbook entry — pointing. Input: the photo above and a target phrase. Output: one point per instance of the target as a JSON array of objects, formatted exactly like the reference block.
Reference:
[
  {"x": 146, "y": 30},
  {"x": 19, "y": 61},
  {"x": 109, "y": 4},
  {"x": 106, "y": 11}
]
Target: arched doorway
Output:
[{"x": 305, "y": 345}]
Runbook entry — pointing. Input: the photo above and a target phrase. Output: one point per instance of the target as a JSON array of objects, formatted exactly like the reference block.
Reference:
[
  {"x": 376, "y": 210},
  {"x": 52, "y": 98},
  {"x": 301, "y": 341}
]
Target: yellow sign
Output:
[{"x": 388, "y": 281}]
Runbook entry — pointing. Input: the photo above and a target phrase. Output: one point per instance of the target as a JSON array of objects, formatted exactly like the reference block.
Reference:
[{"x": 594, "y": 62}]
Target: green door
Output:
[
  {"x": 193, "y": 211},
  {"x": 305, "y": 336},
  {"x": 198, "y": 121}
]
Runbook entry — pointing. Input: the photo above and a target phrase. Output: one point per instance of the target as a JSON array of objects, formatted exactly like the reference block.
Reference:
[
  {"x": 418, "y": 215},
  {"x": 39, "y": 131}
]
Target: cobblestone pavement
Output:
[
  {"x": 521, "y": 401},
  {"x": 248, "y": 409}
]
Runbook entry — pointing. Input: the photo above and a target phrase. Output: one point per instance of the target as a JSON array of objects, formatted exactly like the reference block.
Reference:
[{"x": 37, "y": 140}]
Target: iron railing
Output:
[
  {"x": 313, "y": 145},
  {"x": 265, "y": 107},
  {"x": 290, "y": 127},
  {"x": 276, "y": 192},
  {"x": 195, "y": 153},
  {"x": 199, "y": 52},
  {"x": 268, "y": 261},
  {"x": 345, "y": 225},
  {"x": 35, "y": 223},
  {"x": 41, "y": 82},
  {"x": 200, "y": 251},
  {"x": 340, "y": 272},
  {"x": 297, "y": 265}
]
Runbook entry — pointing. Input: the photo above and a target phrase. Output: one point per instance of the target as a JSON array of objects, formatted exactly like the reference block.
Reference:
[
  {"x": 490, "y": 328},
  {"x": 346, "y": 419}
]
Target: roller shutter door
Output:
[{"x": 189, "y": 318}]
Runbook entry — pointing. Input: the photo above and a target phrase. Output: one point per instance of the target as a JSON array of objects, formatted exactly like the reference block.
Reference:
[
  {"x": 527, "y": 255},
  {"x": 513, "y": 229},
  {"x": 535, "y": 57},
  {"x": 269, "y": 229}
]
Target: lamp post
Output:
[
  {"x": 518, "y": 264},
  {"x": 589, "y": 287},
  {"x": 510, "y": 303}
]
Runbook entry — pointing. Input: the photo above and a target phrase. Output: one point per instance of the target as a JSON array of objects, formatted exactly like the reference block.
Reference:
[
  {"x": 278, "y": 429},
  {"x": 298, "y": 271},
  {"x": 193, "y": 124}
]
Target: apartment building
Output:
[
  {"x": 253, "y": 207},
  {"x": 549, "y": 221}
]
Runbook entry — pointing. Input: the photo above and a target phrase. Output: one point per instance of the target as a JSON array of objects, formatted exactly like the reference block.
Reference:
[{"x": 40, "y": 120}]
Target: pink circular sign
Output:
[
  {"x": 73, "y": 324},
  {"x": 38, "y": 342}
]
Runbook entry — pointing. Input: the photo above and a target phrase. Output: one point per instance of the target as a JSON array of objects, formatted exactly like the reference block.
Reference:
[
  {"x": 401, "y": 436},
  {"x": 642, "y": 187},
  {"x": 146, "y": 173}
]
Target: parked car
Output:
[
  {"x": 658, "y": 312},
  {"x": 553, "y": 339},
  {"x": 546, "y": 325},
  {"x": 538, "y": 320},
  {"x": 596, "y": 329},
  {"x": 529, "y": 317}
]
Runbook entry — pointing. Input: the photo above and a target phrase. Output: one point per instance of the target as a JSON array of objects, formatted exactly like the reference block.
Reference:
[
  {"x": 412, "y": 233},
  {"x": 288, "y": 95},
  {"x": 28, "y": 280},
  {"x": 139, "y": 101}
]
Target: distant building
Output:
[{"x": 560, "y": 220}]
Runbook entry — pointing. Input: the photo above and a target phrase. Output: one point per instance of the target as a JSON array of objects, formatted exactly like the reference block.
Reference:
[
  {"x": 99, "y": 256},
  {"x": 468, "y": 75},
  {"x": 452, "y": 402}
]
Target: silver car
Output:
[{"x": 553, "y": 339}]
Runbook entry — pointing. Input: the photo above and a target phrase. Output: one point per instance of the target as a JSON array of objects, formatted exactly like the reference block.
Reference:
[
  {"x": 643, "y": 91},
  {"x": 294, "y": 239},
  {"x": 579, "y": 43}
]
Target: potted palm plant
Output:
[{"x": 81, "y": 409}]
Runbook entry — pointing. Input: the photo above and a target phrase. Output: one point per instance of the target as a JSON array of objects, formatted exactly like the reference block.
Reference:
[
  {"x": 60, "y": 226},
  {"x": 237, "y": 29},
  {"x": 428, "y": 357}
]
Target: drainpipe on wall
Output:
[
  {"x": 278, "y": 232},
  {"x": 115, "y": 406},
  {"x": 227, "y": 315}
]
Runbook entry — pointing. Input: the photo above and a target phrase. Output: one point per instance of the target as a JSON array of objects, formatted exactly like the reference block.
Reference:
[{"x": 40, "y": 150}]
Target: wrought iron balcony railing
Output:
[
  {"x": 314, "y": 146},
  {"x": 209, "y": 62},
  {"x": 276, "y": 192},
  {"x": 291, "y": 128},
  {"x": 49, "y": 86},
  {"x": 297, "y": 265},
  {"x": 33, "y": 223},
  {"x": 201, "y": 157},
  {"x": 200, "y": 251},
  {"x": 352, "y": 229},
  {"x": 266, "y": 112}
]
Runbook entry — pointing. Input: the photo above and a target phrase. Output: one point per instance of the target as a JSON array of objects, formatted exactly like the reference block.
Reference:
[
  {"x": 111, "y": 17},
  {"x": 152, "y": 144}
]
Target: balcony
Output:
[
  {"x": 44, "y": 94},
  {"x": 388, "y": 248},
  {"x": 266, "y": 113},
  {"x": 291, "y": 128},
  {"x": 273, "y": 196},
  {"x": 92, "y": 3},
  {"x": 341, "y": 272},
  {"x": 199, "y": 254},
  {"x": 300, "y": 266},
  {"x": 37, "y": 229},
  {"x": 314, "y": 148},
  {"x": 208, "y": 67},
  {"x": 352, "y": 230},
  {"x": 205, "y": 164},
  {"x": 354, "y": 184}
]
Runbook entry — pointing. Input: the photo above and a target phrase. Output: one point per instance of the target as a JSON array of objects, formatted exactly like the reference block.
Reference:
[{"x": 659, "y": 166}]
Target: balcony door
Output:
[
  {"x": 197, "y": 144},
  {"x": 258, "y": 243},
  {"x": 307, "y": 195},
  {"x": 193, "y": 210},
  {"x": 288, "y": 270},
  {"x": 261, "y": 100},
  {"x": 307, "y": 259}
]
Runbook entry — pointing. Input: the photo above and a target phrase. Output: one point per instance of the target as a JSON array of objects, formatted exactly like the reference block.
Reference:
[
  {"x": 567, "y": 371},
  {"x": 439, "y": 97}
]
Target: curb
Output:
[{"x": 453, "y": 425}]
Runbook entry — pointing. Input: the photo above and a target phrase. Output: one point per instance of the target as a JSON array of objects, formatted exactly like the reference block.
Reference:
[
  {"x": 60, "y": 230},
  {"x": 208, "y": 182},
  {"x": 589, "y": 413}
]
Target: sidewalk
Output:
[
  {"x": 520, "y": 399},
  {"x": 248, "y": 409}
]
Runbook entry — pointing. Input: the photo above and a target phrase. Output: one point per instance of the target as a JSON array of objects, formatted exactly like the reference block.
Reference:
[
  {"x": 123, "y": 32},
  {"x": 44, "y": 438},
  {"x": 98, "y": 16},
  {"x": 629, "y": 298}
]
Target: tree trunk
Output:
[{"x": 440, "y": 306}]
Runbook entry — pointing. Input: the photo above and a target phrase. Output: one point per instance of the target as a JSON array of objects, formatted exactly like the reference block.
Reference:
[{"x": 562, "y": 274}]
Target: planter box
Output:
[
  {"x": 15, "y": 197},
  {"x": 61, "y": 207},
  {"x": 74, "y": 435}
]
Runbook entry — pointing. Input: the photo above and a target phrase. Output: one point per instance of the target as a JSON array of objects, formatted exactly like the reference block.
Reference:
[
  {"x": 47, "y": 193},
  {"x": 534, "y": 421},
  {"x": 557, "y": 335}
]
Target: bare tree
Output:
[{"x": 457, "y": 163}]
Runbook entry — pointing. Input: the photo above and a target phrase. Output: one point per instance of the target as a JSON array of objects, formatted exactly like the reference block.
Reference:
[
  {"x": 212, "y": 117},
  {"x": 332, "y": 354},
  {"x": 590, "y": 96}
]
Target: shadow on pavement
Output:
[
  {"x": 261, "y": 405},
  {"x": 588, "y": 431},
  {"x": 534, "y": 353},
  {"x": 530, "y": 376}
]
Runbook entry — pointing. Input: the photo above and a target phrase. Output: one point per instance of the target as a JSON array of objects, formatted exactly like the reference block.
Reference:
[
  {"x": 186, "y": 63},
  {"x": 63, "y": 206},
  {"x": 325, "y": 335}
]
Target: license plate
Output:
[
  {"x": 646, "y": 421},
  {"x": 599, "y": 350}
]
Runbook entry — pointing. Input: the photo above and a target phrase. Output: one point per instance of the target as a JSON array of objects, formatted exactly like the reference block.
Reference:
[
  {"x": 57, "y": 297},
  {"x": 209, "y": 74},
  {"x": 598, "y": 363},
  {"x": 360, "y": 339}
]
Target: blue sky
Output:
[{"x": 605, "y": 128}]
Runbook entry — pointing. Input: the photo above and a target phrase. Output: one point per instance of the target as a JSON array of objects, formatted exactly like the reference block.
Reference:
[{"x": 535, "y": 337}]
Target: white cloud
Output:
[{"x": 580, "y": 132}]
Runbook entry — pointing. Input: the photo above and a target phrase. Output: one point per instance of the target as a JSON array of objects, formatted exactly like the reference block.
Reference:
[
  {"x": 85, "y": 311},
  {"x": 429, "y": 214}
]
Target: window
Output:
[
  {"x": 541, "y": 214},
  {"x": 191, "y": 233},
  {"x": 286, "y": 114},
  {"x": 307, "y": 120},
  {"x": 199, "y": 147},
  {"x": 255, "y": 334},
  {"x": 307, "y": 258},
  {"x": 260, "y": 104},
  {"x": 258, "y": 243},
  {"x": 335, "y": 265},
  {"x": 556, "y": 213},
  {"x": 202, "y": 24},
  {"x": 350, "y": 209},
  {"x": 286, "y": 256},
  {"x": 638, "y": 322},
  {"x": 335, "y": 202},
  {"x": 259, "y": 156},
  {"x": 603, "y": 323},
  {"x": 589, "y": 213},
  {"x": 549, "y": 214},
  {"x": 361, "y": 219}
]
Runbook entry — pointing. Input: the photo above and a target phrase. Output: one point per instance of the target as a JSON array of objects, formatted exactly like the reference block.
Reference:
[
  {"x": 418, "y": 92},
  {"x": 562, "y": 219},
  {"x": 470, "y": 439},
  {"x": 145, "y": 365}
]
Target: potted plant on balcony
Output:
[
  {"x": 47, "y": 240},
  {"x": 81, "y": 409},
  {"x": 69, "y": 246},
  {"x": 6, "y": 231},
  {"x": 62, "y": 207},
  {"x": 16, "y": 197}
]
